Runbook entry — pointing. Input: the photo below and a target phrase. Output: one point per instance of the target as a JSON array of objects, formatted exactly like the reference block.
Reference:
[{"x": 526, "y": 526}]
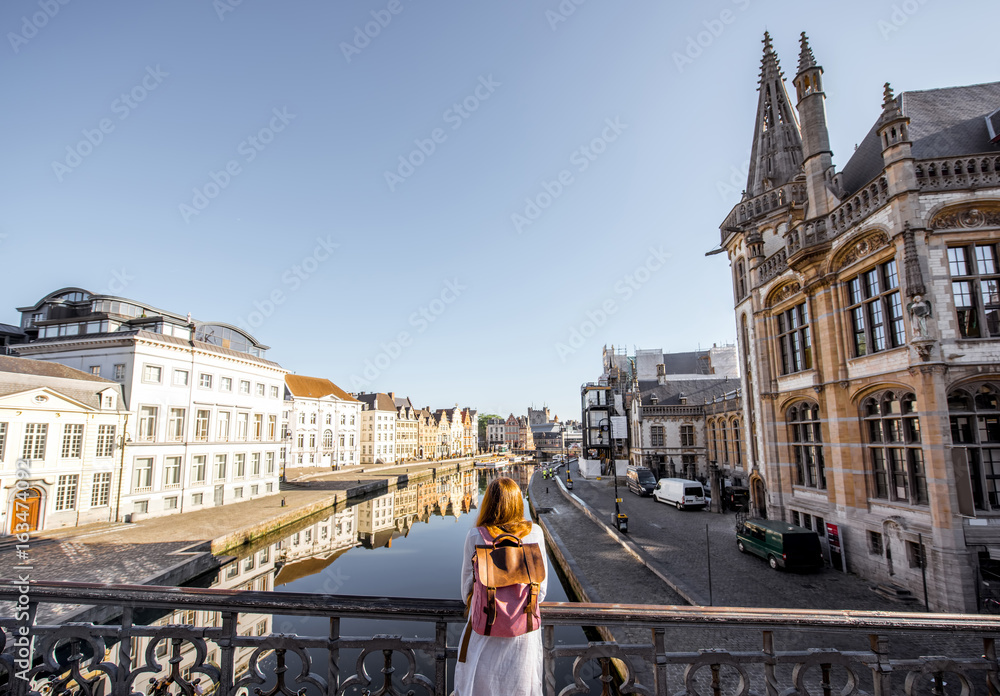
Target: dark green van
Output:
[{"x": 783, "y": 545}]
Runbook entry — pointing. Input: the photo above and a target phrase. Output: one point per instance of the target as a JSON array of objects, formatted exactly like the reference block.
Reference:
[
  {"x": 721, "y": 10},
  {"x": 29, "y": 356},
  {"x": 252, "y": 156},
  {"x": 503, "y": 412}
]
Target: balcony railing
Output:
[{"x": 843, "y": 652}]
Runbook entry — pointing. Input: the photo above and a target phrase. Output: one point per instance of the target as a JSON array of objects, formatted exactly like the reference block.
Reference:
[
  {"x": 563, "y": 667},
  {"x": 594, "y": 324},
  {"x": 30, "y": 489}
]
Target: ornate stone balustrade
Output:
[
  {"x": 870, "y": 198},
  {"x": 959, "y": 172},
  {"x": 758, "y": 206},
  {"x": 773, "y": 265},
  {"x": 684, "y": 653}
]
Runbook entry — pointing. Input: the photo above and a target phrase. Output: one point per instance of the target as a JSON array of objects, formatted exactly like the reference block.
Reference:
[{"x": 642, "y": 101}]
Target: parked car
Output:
[
  {"x": 681, "y": 493},
  {"x": 640, "y": 480},
  {"x": 736, "y": 498},
  {"x": 783, "y": 545}
]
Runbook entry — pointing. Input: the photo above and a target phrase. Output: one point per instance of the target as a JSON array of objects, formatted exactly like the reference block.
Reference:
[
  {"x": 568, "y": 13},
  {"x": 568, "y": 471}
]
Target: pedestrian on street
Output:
[{"x": 497, "y": 665}]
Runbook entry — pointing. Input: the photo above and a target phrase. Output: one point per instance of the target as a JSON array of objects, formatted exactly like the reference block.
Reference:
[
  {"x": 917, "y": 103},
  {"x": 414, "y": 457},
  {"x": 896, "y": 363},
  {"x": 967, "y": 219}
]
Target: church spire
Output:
[
  {"x": 776, "y": 153},
  {"x": 806, "y": 58},
  {"x": 817, "y": 158}
]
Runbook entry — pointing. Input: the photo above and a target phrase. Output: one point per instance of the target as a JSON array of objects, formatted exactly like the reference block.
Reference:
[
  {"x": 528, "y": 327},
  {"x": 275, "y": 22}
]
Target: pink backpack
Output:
[{"x": 508, "y": 574}]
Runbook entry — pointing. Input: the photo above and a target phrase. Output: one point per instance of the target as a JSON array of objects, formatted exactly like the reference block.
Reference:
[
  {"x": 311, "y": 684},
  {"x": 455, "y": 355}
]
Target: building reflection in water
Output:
[{"x": 314, "y": 544}]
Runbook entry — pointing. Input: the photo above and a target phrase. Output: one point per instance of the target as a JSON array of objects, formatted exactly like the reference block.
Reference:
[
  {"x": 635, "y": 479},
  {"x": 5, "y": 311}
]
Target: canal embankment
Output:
[
  {"x": 597, "y": 566},
  {"x": 175, "y": 549}
]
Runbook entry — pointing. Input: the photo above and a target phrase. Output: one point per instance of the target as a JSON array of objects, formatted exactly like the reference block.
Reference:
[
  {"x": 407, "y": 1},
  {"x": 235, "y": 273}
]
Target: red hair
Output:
[{"x": 503, "y": 508}]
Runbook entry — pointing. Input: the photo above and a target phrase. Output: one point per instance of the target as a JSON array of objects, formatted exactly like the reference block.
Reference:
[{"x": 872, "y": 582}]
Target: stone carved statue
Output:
[{"x": 920, "y": 312}]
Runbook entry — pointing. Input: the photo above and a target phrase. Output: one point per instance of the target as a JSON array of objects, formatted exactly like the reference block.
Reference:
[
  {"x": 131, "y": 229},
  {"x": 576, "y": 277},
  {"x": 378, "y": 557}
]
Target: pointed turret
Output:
[
  {"x": 897, "y": 155},
  {"x": 777, "y": 147},
  {"x": 817, "y": 158}
]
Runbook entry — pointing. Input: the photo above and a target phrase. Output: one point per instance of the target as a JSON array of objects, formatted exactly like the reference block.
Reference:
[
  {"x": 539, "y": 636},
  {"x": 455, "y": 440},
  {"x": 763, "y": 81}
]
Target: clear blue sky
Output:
[{"x": 180, "y": 88}]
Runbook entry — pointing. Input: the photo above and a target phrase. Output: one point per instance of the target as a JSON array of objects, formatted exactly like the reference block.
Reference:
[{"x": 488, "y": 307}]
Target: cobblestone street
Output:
[
  {"x": 677, "y": 541},
  {"x": 673, "y": 543}
]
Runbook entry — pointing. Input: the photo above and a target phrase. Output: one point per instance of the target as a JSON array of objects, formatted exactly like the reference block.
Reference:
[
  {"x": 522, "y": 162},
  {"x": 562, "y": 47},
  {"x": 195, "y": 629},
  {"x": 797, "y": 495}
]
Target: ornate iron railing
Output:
[{"x": 131, "y": 657}]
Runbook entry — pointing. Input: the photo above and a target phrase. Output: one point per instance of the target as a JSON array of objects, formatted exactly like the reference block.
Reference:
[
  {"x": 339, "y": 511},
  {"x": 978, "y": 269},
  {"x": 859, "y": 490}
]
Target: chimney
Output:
[{"x": 392, "y": 395}]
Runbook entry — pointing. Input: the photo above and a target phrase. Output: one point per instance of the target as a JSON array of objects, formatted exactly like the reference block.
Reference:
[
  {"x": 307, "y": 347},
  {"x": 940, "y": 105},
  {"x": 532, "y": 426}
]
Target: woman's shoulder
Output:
[{"x": 536, "y": 533}]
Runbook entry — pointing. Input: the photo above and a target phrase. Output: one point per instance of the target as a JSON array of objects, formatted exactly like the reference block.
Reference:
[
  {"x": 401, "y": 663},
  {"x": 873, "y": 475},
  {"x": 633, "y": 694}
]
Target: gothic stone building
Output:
[{"x": 868, "y": 318}]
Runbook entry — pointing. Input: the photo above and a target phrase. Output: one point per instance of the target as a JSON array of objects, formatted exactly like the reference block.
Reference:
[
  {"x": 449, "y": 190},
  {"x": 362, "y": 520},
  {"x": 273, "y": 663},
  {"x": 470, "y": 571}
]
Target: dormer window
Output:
[
  {"x": 654, "y": 399},
  {"x": 107, "y": 399},
  {"x": 993, "y": 125}
]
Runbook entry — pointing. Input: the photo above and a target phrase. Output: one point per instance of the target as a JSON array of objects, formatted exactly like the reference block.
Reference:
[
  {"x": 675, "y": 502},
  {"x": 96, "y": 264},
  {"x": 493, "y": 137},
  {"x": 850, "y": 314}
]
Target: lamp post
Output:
[
  {"x": 620, "y": 519},
  {"x": 124, "y": 439}
]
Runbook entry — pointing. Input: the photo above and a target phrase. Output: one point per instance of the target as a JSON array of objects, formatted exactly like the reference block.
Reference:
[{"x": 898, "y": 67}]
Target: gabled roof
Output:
[
  {"x": 46, "y": 368},
  {"x": 945, "y": 122},
  {"x": 18, "y": 375},
  {"x": 315, "y": 388},
  {"x": 377, "y": 402}
]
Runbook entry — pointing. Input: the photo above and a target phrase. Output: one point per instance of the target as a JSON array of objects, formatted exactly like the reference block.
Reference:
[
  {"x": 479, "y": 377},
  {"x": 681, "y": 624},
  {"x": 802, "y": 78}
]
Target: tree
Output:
[{"x": 483, "y": 420}]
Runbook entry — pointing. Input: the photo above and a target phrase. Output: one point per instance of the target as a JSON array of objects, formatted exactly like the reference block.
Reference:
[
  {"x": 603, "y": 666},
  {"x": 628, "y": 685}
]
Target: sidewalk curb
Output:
[
  {"x": 576, "y": 578},
  {"x": 569, "y": 566},
  {"x": 634, "y": 550}
]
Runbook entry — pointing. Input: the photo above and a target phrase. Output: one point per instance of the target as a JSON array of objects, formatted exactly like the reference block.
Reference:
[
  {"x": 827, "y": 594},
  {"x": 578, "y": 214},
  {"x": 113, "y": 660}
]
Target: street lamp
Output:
[{"x": 620, "y": 519}]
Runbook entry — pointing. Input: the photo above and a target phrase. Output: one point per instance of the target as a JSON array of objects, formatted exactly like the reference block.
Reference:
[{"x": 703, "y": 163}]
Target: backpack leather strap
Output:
[
  {"x": 533, "y": 588},
  {"x": 466, "y": 635}
]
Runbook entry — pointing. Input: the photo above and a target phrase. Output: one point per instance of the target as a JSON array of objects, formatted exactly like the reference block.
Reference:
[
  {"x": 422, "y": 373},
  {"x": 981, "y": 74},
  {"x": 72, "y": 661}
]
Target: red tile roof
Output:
[{"x": 315, "y": 388}]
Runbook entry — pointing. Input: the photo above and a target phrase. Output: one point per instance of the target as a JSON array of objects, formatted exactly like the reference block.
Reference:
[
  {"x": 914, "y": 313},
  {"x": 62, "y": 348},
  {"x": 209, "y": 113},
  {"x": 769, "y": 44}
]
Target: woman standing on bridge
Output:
[{"x": 497, "y": 664}]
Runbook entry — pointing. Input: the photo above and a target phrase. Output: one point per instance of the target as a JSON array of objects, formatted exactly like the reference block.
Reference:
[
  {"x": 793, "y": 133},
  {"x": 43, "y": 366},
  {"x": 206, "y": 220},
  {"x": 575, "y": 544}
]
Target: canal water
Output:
[{"x": 405, "y": 543}]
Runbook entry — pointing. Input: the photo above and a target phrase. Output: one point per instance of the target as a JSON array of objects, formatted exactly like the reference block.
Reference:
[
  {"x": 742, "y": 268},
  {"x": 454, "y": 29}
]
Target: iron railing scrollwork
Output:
[{"x": 237, "y": 651}]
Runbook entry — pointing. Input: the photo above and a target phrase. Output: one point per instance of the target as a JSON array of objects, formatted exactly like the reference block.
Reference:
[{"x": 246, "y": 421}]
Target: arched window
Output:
[
  {"x": 895, "y": 459},
  {"x": 737, "y": 444},
  {"x": 327, "y": 439},
  {"x": 724, "y": 427},
  {"x": 806, "y": 440},
  {"x": 975, "y": 425},
  {"x": 741, "y": 279}
]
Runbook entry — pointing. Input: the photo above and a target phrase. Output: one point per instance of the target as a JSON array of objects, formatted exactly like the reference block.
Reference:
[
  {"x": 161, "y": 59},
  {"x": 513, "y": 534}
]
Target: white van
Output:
[{"x": 680, "y": 492}]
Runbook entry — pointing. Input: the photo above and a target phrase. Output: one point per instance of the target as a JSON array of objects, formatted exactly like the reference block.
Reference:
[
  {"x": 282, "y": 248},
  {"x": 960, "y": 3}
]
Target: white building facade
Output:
[
  {"x": 205, "y": 404},
  {"x": 60, "y": 461},
  {"x": 323, "y": 423},
  {"x": 378, "y": 428}
]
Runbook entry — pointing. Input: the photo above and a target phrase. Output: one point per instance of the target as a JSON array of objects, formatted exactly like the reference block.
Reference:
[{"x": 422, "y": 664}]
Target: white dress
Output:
[{"x": 498, "y": 666}]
